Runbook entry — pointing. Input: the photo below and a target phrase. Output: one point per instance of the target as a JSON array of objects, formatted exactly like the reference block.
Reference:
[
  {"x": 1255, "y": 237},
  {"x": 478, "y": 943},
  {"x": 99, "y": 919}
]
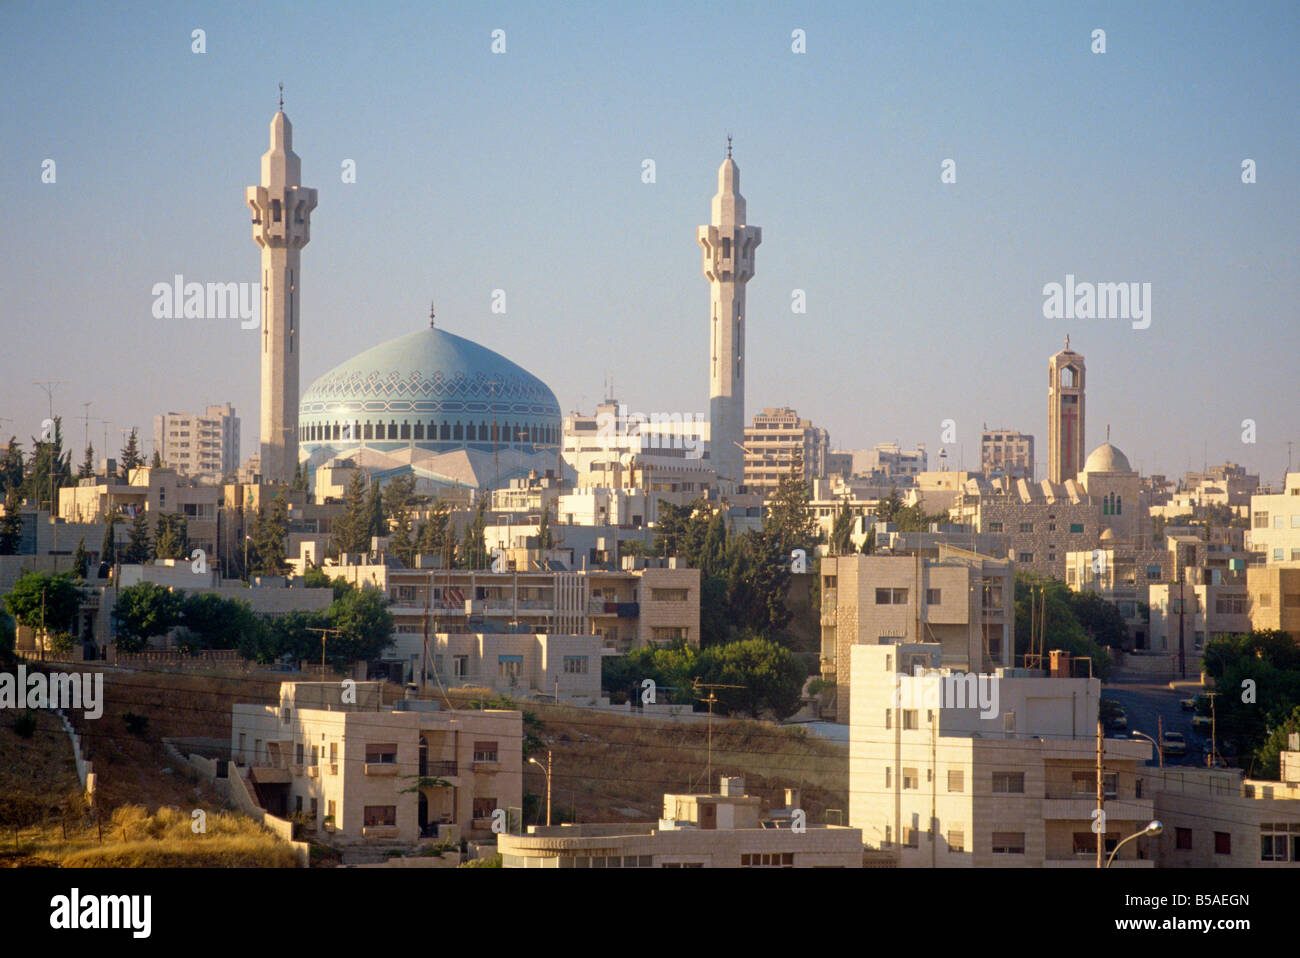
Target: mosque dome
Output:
[
  {"x": 431, "y": 390},
  {"x": 1107, "y": 458}
]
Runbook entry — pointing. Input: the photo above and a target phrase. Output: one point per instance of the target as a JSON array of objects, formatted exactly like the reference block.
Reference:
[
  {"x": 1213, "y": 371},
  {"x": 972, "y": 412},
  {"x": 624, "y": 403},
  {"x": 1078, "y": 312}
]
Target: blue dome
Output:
[{"x": 432, "y": 390}]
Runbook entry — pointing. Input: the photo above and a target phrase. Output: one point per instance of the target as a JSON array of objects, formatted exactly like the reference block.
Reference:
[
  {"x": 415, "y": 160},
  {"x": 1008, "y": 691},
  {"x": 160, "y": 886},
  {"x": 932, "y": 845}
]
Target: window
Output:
[
  {"x": 380, "y": 815},
  {"x": 384, "y": 754},
  {"x": 1261, "y": 520},
  {"x": 888, "y": 776},
  {"x": 934, "y": 597},
  {"x": 1278, "y": 522},
  {"x": 1026, "y": 527},
  {"x": 575, "y": 665},
  {"x": 297, "y": 752},
  {"x": 1008, "y": 843},
  {"x": 1230, "y": 604},
  {"x": 509, "y": 666},
  {"x": 459, "y": 666},
  {"x": 889, "y": 718},
  {"x": 485, "y": 752},
  {"x": 1223, "y": 843},
  {"x": 995, "y": 527},
  {"x": 956, "y": 780},
  {"x": 956, "y": 840},
  {"x": 891, "y": 597},
  {"x": 1279, "y": 555},
  {"x": 1008, "y": 783},
  {"x": 909, "y": 718},
  {"x": 669, "y": 595},
  {"x": 667, "y": 634},
  {"x": 484, "y": 807},
  {"x": 911, "y": 779},
  {"x": 1183, "y": 839},
  {"x": 1025, "y": 557},
  {"x": 1295, "y": 522},
  {"x": 1265, "y": 600},
  {"x": 765, "y": 860}
]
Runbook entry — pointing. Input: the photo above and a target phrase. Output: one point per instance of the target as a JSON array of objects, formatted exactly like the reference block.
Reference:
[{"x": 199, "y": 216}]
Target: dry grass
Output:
[
  {"x": 132, "y": 837},
  {"x": 608, "y": 764}
]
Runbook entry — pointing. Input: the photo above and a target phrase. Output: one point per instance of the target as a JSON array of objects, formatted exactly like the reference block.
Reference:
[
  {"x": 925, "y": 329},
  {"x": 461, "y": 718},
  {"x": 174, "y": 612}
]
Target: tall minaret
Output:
[
  {"x": 1065, "y": 409},
  {"x": 728, "y": 265},
  {"x": 281, "y": 227}
]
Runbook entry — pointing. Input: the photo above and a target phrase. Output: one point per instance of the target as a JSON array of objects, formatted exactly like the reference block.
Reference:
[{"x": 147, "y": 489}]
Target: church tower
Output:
[
  {"x": 729, "y": 246},
  {"x": 1065, "y": 423},
  {"x": 281, "y": 227}
]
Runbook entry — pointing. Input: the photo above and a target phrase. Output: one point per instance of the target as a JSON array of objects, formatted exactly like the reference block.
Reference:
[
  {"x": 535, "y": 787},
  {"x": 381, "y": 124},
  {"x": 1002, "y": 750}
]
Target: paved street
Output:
[{"x": 1144, "y": 700}]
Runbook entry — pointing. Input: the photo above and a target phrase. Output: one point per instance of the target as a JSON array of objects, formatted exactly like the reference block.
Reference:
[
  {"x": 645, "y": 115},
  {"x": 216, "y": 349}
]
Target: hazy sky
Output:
[{"x": 522, "y": 171}]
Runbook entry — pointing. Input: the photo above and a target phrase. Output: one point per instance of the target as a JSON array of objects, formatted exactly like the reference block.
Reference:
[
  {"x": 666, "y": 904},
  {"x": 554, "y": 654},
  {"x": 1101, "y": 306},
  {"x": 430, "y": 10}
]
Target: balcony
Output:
[
  {"x": 381, "y": 768},
  {"x": 313, "y": 771},
  {"x": 491, "y": 765},
  {"x": 439, "y": 769},
  {"x": 333, "y": 768},
  {"x": 379, "y": 831},
  {"x": 1079, "y": 808}
]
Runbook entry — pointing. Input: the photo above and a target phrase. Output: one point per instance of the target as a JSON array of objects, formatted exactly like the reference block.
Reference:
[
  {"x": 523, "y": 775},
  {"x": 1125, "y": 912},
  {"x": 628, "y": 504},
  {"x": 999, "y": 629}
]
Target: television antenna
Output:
[{"x": 712, "y": 700}]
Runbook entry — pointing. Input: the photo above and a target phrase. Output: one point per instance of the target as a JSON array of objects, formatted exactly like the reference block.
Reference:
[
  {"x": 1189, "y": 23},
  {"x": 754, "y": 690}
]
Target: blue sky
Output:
[{"x": 522, "y": 172}]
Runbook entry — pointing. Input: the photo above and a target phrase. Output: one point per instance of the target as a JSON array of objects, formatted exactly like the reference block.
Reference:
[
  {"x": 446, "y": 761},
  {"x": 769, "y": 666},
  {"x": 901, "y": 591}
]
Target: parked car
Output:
[
  {"x": 1201, "y": 723},
  {"x": 1113, "y": 715},
  {"x": 1173, "y": 743},
  {"x": 1189, "y": 705}
]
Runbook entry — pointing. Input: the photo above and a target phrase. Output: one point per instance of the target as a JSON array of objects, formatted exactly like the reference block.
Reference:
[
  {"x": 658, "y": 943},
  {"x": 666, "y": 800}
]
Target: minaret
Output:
[
  {"x": 281, "y": 227},
  {"x": 729, "y": 246},
  {"x": 1065, "y": 421}
]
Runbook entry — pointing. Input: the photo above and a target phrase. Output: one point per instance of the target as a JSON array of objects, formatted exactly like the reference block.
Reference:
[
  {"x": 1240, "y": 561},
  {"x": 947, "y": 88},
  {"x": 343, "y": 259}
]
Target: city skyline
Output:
[{"x": 481, "y": 219}]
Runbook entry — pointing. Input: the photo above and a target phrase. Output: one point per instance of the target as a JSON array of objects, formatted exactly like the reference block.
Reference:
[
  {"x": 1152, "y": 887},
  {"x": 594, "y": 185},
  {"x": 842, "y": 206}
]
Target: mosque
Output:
[{"x": 450, "y": 411}]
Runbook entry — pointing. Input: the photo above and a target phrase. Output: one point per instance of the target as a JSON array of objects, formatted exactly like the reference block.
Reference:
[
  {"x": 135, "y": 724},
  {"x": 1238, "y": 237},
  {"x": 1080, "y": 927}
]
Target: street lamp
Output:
[
  {"x": 547, "y": 769},
  {"x": 1153, "y": 828},
  {"x": 1159, "y": 751}
]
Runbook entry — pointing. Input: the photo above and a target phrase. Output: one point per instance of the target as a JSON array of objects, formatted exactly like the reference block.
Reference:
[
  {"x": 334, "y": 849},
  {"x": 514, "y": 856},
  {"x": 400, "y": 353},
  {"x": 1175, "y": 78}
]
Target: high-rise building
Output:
[
  {"x": 729, "y": 246},
  {"x": 1065, "y": 419},
  {"x": 281, "y": 227},
  {"x": 201, "y": 446},
  {"x": 1004, "y": 452},
  {"x": 779, "y": 442}
]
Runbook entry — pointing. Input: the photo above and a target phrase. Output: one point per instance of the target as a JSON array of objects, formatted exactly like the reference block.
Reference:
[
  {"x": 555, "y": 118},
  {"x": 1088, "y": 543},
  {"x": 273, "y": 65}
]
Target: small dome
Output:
[
  {"x": 1107, "y": 535},
  {"x": 1107, "y": 458}
]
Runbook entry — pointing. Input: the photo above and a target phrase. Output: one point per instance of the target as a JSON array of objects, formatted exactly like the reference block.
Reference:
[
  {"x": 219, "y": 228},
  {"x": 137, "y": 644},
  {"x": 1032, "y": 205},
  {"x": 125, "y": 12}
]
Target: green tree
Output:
[
  {"x": 49, "y": 597},
  {"x": 364, "y": 624},
  {"x": 130, "y": 457},
  {"x": 269, "y": 531},
  {"x": 49, "y": 468},
  {"x": 436, "y": 535},
  {"x": 156, "y": 462},
  {"x": 1060, "y": 628},
  {"x": 544, "y": 538},
  {"x": 138, "y": 547},
  {"x": 11, "y": 525},
  {"x": 171, "y": 537},
  {"x": 108, "y": 548},
  {"x": 376, "y": 524},
  {"x": 1100, "y": 619},
  {"x": 301, "y": 481},
  {"x": 146, "y": 610},
  {"x": 789, "y": 516},
  {"x": 87, "y": 468},
  {"x": 12, "y": 468},
  {"x": 351, "y": 531},
  {"x": 841, "y": 539},
  {"x": 770, "y": 677},
  {"x": 216, "y": 622},
  {"x": 1268, "y": 756},
  {"x": 81, "y": 560},
  {"x": 869, "y": 543},
  {"x": 474, "y": 554},
  {"x": 401, "y": 543}
]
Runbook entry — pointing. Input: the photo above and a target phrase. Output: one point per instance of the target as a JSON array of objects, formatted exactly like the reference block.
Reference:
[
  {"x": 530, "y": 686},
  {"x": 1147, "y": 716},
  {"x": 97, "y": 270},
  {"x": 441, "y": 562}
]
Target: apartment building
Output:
[
  {"x": 203, "y": 446},
  {"x": 566, "y": 667},
  {"x": 359, "y": 769},
  {"x": 1273, "y": 598},
  {"x": 152, "y": 491},
  {"x": 726, "y": 829},
  {"x": 1196, "y": 613},
  {"x": 1042, "y": 520},
  {"x": 889, "y": 462},
  {"x": 1274, "y": 534},
  {"x": 1006, "y": 452},
  {"x": 999, "y": 769},
  {"x": 1216, "y": 818},
  {"x": 628, "y": 609},
  {"x": 779, "y": 441},
  {"x": 962, "y": 601}
]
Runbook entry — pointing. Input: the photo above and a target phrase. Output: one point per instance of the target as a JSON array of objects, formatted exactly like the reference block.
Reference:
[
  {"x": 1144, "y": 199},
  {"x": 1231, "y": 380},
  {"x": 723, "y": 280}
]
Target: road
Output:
[{"x": 1145, "y": 700}]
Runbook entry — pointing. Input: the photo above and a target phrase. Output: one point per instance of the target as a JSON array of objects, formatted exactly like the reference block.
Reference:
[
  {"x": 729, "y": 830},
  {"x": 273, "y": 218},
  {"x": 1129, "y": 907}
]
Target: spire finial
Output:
[
  {"x": 431, "y": 322},
  {"x": 281, "y": 97},
  {"x": 1107, "y": 432},
  {"x": 728, "y": 146},
  {"x": 1067, "y": 340}
]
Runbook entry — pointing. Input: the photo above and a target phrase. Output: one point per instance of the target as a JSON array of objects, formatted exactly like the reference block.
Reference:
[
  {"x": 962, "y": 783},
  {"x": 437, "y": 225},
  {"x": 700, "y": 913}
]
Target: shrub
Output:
[
  {"x": 136, "y": 724},
  {"x": 25, "y": 723}
]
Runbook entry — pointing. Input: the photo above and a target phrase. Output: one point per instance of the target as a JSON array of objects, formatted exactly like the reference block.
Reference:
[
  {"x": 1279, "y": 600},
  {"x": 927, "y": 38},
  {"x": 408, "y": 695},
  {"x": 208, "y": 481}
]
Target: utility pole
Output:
[
  {"x": 711, "y": 700},
  {"x": 1214, "y": 744},
  {"x": 1101, "y": 796},
  {"x": 323, "y": 634},
  {"x": 1182, "y": 655},
  {"x": 424, "y": 662}
]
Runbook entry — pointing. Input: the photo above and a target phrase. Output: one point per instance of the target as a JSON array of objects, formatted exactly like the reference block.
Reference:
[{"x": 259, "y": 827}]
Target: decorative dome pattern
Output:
[{"x": 430, "y": 389}]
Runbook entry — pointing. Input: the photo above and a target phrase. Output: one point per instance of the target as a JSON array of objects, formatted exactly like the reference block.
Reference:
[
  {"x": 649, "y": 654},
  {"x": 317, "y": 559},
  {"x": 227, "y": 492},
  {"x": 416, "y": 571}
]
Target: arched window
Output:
[
  {"x": 444, "y": 431},
  {"x": 460, "y": 432}
]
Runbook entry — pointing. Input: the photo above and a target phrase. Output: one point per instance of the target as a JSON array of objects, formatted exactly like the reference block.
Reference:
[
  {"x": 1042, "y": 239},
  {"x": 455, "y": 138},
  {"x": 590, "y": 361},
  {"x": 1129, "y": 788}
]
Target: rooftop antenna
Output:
[{"x": 711, "y": 700}]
